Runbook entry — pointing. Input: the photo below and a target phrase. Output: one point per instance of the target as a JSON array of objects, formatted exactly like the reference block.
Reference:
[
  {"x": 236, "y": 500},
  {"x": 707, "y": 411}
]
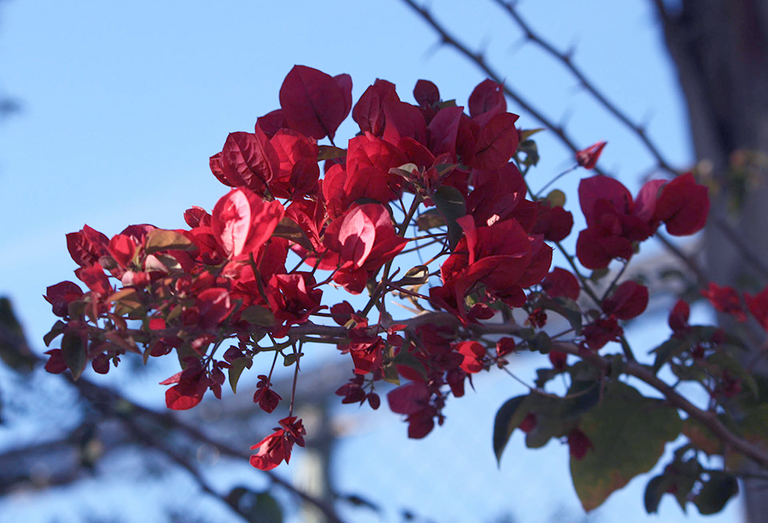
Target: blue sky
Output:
[{"x": 123, "y": 103}]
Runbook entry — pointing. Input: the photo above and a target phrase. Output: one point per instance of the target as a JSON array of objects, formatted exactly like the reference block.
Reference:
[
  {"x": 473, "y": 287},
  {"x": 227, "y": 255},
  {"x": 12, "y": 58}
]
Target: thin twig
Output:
[{"x": 601, "y": 98}]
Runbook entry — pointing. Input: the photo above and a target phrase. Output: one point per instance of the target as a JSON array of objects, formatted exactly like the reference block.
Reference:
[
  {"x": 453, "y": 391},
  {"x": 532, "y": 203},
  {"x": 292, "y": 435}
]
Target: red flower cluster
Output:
[
  {"x": 225, "y": 278},
  {"x": 615, "y": 222}
]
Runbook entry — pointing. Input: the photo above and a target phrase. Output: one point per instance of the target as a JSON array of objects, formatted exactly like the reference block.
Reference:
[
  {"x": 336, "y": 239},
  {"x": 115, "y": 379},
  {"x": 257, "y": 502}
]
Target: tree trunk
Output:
[{"x": 720, "y": 48}]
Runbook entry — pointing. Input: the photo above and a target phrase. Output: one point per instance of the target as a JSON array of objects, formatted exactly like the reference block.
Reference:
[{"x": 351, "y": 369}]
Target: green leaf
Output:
[
  {"x": 236, "y": 369},
  {"x": 291, "y": 358},
  {"x": 430, "y": 219},
  {"x": 667, "y": 350},
  {"x": 163, "y": 240},
  {"x": 451, "y": 205},
  {"x": 73, "y": 352},
  {"x": 258, "y": 315},
  {"x": 55, "y": 332},
  {"x": 329, "y": 152},
  {"x": 556, "y": 198},
  {"x": 656, "y": 488},
  {"x": 628, "y": 433},
  {"x": 14, "y": 350},
  {"x": 255, "y": 507},
  {"x": 565, "y": 307},
  {"x": 724, "y": 361},
  {"x": 701, "y": 437},
  {"x": 531, "y": 151},
  {"x": 291, "y": 231},
  {"x": 508, "y": 418},
  {"x": 716, "y": 492},
  {"x": 415, "y": 276}
]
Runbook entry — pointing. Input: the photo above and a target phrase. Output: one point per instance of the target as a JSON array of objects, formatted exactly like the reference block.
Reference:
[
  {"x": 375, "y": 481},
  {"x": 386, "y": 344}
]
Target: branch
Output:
[
  {"x": 105, "y": 400},
  {"x": 479, "y": 60},
  {"x": 567, "y": 62},
  {"x": 707, "y": 418}
]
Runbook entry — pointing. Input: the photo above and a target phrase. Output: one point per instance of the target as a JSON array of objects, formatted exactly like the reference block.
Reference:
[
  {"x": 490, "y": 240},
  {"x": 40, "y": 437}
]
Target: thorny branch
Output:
[{"x": 479, "y": 60}]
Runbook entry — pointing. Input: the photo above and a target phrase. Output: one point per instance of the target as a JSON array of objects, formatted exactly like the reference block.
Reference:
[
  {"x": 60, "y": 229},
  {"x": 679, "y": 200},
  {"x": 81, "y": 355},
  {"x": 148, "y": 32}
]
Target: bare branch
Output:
[
  {"x": 567, "y": 61},
  {"x": 479, "y": 60}
]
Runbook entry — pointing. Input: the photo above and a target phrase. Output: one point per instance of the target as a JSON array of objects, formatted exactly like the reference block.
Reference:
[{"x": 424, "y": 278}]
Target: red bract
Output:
[
  {"x": 264, "y": 396},
  {"x": 628, "y": 301},
  {"x": 190, "y": 386},
  {"x": 588, "y": 157},
  {"x": 473, "y": 353},
  {"x": 758, "y": 306},
  {"x": 496, "y": 142},
  {"x": 369, "y": 110},
  {"x": 87, "y": 246},
  {"x": 683, "y": 205},
  {"x": 315, "y": 103},
  {"x": 486, "y": 101},
  {"x": 500, "y": 256},
  {"x": 614, "y": 221},
  {"x": 293, "y": 297},
  {"x": 61, "y": 295},
  {"x": 242, "y": 222},
  {"x": 247, "y": 160},
  {"x": 278, "y": 446},
  {"x": 602, "y": 331},
  {"x": 358, "y": 243},
  {"x": 555, "y": 223},
  {"x": 560, "y": 282},
  {"x": 678, "y": 318},
  {"x": 725, "y": 299}
]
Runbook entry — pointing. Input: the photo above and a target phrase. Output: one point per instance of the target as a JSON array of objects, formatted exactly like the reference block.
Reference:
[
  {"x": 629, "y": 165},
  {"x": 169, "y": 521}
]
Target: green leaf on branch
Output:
[
  {"x": 451, "y": 205},
  {"x": 258, "y": 315},
  {"x": 556, "y": 198},
  {"x": 565, "y": 307},
  {"x": 73, "y": 352},
  {"x": 716, "y": 492},
  {"x": 329, "y": 152},
  {"x": 724, "y": 361},
  {"x": 415, "y": 276},
  {"x": 508, "y": 418},
  {"x": 657, "y": 487},
  {"x": 291, "y": 231},
  {"x": 236, "y": 370},
  {"x": 628, "y": 433},
  {"x": 668, "y": 350},
  {"x": 430, "y": 219},
  {"x": 255, "y": 507},
  {"x": 701, "y": 437},
  {"x": 163, "y": 240}
]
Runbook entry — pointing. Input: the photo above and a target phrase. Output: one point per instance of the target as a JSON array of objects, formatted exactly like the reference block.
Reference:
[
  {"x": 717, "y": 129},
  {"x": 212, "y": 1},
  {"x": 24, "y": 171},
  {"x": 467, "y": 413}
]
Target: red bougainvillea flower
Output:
[
  {"x": 627, "y": 301},
  {"x": 588, "y": 157},
  {"x": 278, "y": 446},
  {"x": 473, "y": 353},
  {"x": 501, "y": 256},
  {"x": 758, "y": 306},
  {"x": 61, "y": 295},
  {"x": 725, "y": 299},
  {"x": 560, "y": 282},
  {"x": 683, "y": 206},
  {"x": 678, "y": 318},
  {"x": 614, "y": 220},
  {"x": 242, "y": 222},
  {"x": 189, "y": 386},
  {"x": 265, "y": 397},
  {"x": 358, "y": 243},
  {"x": 602, "y": 331},
  {"x": 413, "y": 400},
  {"x": 315, "y": 103}
]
